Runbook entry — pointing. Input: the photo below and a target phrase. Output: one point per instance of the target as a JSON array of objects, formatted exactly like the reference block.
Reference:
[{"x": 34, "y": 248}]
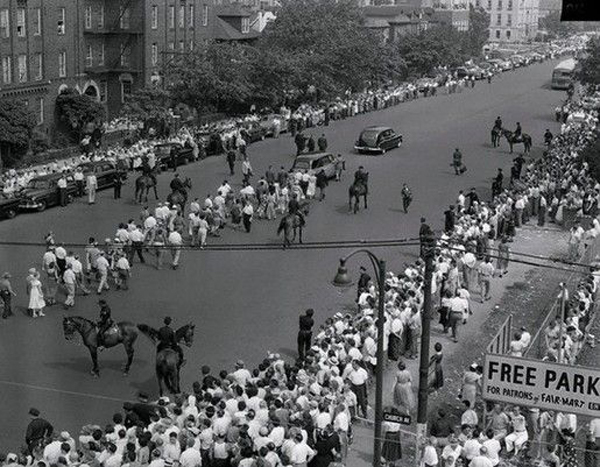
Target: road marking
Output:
[{"x": 60, "y": 391}]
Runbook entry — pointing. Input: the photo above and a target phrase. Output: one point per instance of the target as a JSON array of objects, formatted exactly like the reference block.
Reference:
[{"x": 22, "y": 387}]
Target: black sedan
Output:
[
  {"x": 9, "y": 206},
  {"x": 183, "y": 154},
  {"x": 253, "y": 132},
  {"x": 377, "y": 139}
]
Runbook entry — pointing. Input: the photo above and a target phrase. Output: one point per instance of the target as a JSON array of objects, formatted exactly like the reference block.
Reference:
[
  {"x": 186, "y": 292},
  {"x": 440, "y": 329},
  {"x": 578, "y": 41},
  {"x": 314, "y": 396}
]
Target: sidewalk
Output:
[{"x": 525, "y": 291}]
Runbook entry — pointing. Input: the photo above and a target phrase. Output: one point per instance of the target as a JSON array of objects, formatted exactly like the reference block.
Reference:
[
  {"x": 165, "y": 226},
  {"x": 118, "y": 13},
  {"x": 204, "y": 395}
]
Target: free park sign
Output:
[{"x": 545, "y": 385}]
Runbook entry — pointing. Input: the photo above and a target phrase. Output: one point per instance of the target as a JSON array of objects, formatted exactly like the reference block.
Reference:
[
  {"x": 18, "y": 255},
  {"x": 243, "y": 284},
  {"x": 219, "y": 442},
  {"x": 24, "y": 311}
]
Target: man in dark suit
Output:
[
  {"x": 363, "y": 282},
  {"x": 37, "y": 430},
  {"x": 306, "y": 323},
  {"x": 168, "y": 340}
]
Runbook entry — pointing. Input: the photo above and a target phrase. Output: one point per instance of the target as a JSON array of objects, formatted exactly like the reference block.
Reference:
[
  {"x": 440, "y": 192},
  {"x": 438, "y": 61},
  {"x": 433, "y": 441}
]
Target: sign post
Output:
[{"x": 545, "y": 385}]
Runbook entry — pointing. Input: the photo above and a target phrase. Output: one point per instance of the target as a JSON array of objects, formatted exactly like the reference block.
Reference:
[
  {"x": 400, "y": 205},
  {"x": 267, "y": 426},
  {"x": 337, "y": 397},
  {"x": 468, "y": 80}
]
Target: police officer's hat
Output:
[{"x": 167, "y": 320}]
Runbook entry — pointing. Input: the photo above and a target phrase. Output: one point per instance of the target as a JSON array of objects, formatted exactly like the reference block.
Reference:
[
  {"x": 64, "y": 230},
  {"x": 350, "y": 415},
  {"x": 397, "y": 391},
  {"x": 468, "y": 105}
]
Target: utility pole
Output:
[
  {"x": 563, "y": 299},
  {"x": 428, "y": 245},
  {"x": 379, "y": 367}
]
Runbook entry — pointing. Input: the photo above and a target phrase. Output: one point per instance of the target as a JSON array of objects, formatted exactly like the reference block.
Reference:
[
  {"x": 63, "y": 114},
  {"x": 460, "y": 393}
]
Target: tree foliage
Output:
[
  {"x": 588, "y": 71},
  {"x": 478, "y": 33},
  {"x": 150, "y": 103},
  {"x": 16, "y": 127},
  {"x": 76, "y": 111}
]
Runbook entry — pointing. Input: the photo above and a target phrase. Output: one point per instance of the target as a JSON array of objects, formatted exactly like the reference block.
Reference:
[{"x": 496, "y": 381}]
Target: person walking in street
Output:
[
  {"x": 231, "y": 156},
  {"x": 246, "y": 170},
  {"x": 322, "y": 143},
  {"x": 503, "y": 256},
  {"x": 322, "y": 183},
  {"x": 247, "y": 214},
  {"x": 300, "y": 141},
  {"x": 485, "y": 272},
  {"x": 117, "y": 181},
  {"x": 36, "y": 297},
  {"x": 406, "y": 197},
  {"x": 70, "y": 283},
  {"x": 306, "y": 323},
  {"x": 159, "y": 244},
  {"x": 6, "y": 294},
  {"x": 175, "y": 242},
  {"x": 457, "y": 163},
  {"x": 123, "y": 268},
  {"x": 79, "y": 179},
  {"x": 91, "y": 187},
  {"x": 436, "y": 370},
  {"x": 404, "y": 398},
  {"x": 62, "y": 189},
  {"x": 103, "y": 265}
]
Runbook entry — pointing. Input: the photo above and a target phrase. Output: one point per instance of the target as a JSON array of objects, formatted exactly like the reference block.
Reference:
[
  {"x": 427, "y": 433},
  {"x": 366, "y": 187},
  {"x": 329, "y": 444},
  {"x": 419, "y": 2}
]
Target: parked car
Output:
[
  {"x": 9, "y": 206},
  {"x": 42, "y": 192},
  {"x": 461, "y": 72},
  {"x": 316, "y": 162},
  {"x": 476, "y": 71},
  {"x": 252, "y": 132},
  {"x": 105, "y": 172},
  {"x": 506, "y": 65},
  {"x": 270, "y": 121},
  {"x": 375, "y": 139},
  {"x": 211, "y": 141},
  {"x": 183, "y": 154}
]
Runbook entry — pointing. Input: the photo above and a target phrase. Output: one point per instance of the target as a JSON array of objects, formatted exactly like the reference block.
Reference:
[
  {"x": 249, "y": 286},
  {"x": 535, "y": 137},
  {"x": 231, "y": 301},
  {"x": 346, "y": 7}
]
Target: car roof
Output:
[
  {"x": 377, "y": 128},
  {"x": 313, "y": 156},
  {"x": 48, "y": 176}
]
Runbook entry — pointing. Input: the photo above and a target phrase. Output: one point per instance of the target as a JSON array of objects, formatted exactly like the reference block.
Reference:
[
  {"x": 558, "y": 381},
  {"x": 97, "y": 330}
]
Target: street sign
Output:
[
  {"x": 395, "y": 418},
  {"x": 545, "y": 385}
]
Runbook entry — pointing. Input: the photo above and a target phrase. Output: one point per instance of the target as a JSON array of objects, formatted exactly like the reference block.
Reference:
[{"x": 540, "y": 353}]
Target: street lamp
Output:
[{"x": 342, "y": 279}]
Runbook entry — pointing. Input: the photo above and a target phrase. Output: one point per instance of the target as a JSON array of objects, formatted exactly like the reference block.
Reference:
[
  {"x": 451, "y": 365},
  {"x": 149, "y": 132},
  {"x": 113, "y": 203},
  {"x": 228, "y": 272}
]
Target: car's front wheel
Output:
[
  {"x": 10, "y": 213},
  {"x": 42, "y": 206}
]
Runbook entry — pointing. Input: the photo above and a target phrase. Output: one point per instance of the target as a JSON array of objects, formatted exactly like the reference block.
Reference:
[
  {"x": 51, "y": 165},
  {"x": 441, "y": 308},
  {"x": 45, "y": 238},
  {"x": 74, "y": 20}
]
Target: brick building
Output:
[
  {"x": 511, "y": 20},
  {"x": 103, "y": 48}
]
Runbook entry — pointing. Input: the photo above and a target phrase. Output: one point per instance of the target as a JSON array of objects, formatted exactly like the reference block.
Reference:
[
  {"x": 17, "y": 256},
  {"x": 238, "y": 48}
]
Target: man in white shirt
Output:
[
  {"x": 92, "y": 185},
  {"x": 358, "y": 378},
  {"x": 301, "y": 453},
  {"x": 123, "y": 271},
  {"x": 176, "y": 242},
  {"x": 241, "y": 375},
  {"x": 190, "y": 457},
  {"x": 102, "y": 265},
  {"x": 481, "y": 460},
  {"x": 70, "y": 281}
]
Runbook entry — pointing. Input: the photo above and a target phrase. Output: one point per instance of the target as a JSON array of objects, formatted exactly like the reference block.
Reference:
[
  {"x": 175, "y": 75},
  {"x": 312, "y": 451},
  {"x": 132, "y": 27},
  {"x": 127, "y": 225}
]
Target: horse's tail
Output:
[
  {"x": 149, "y": 332},
  {"x": 281, "y": 227}
]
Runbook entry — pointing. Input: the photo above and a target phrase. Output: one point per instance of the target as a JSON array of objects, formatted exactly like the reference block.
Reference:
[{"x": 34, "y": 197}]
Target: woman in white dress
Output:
[
  {"x": 36, "y": 297},
  {"x": 312, "y": 187}
]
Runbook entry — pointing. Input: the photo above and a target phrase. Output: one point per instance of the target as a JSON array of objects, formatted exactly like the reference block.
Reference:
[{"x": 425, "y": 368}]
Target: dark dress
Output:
[
  {"x": 323, "y": 447},
  {"x": 436, "y": 374},
  {"x": 392, "y": 449}
]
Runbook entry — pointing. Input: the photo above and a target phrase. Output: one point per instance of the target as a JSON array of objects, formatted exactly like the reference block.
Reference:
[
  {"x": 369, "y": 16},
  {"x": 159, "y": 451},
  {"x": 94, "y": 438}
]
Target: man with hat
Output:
[
  {"x": 37, "y": 430},
  {"x": 306, "y": 322},
  {"x": 168, "y": 340},
  {"x": 363, "y": 282},
  {"x": 6, "y": 294},
  {"x": 104, "y": 322}
]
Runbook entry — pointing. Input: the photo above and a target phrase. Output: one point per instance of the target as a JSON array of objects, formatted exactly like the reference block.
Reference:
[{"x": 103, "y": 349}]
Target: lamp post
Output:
[{"x": 342, "y": 279}]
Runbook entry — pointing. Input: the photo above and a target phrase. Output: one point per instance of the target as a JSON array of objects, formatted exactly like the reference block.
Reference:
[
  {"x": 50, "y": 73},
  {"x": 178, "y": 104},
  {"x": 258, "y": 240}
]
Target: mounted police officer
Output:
[
  {"x": 498, "y": 123},
  {"x": 518, "y": 131},
  {"x": 176, "y": 184},
  {"x": 104, "y": 322},
  {"x": 168, "y": 340}
]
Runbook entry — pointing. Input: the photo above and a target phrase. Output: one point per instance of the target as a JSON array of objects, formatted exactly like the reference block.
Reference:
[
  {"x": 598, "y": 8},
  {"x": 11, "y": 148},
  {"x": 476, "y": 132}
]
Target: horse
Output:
[
  {"x": 357, "y": 189},
  {"x": 123, "y": 333},
  {"x": 291, "y": 224},
  {"x": 512, "y": 140},
  {"x": 143, "y": 184},
  {"x": 496, "y": 134},
  {"x": 167, "y": 360},
  {"x": 179, "y": 197}
]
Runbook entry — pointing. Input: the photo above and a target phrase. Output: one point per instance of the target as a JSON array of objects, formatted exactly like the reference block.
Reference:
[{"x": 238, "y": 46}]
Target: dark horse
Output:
[
  {"x": 357, "y": 189},
  {"x": 179, "y": 197},
  {"x": 496, "y": 134},
  {"x": 292, "y": 224},
  {"x": 123, "y": 333},
  {"x": 167, "y": 359},
  {"x": 512, "y": 140},
  {"x": 143, "y": 184}
]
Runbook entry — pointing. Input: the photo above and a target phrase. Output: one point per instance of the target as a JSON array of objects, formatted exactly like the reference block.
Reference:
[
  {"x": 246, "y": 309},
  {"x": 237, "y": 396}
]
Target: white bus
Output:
[{"x": 562, "y": 76}]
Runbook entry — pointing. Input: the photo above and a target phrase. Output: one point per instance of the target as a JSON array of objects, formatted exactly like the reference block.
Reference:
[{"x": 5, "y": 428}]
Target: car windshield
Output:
[
  {"x": 302, "y": 165},
  {"x": 370, "y": 136},
  {"x": 38, "y": 184}
]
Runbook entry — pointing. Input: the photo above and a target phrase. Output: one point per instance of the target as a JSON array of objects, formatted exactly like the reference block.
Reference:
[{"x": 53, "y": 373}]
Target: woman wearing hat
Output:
[{"x": 36, "y": 296}]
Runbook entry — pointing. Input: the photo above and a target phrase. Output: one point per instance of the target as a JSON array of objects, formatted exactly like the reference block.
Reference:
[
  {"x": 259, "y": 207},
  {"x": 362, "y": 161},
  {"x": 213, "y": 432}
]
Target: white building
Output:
[{"x": 511, "y": 20}]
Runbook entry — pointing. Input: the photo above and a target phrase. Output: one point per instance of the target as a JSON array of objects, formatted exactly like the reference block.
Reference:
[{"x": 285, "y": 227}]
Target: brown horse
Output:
[
  {"x": 180, "y": 197},
  {"x": 292, "y": 224},
  {"x": 168, "y": 363},
  {"x": 357, "y": 189},
  {"x": 496, "y": 135},
  {"x": 143, "y": 184},
  {"x": 123, "y": 333},
  {"x": 512, "y": 140}
]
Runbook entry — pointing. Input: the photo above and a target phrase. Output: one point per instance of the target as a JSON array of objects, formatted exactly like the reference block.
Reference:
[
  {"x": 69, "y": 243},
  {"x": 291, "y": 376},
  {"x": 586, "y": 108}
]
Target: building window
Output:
[
  {"x": 124, "y": 18},
  {"x": 172, "y": 16},
  {"x": 125, "y": 53},
  {"x": 103, "y": 88},
  {"x": 497, "y": 34},
  {"x": 62, "y": 64},
  {"x": 509, "y": 20},
  {"x": 154, "y": 54},
  {"x": 154, "y": 16},
  {"x": 21, "y": 29},
  {"x": 38, "y": 67},
  {"x": 508, "y": 34},
  {"x": 171, "y": 45},
  {"x": 101, "y": 18},
  {"x": 4, "y": 23},
  {"x": 6, "y": 70},
  {"x": 101, "y": 54},
  {"x": 181, "y": 46},
  {"x": 191, "y": 19},
  {"x": 181, "y": 20},
  {"x": 37, "y": 21},
  {"x": 191, "y": 45},
  {"x": 89, "y": 56},
  {"x": 61, "y": 21},
  {"x": 489, "y": 4},
  {"x": 126, "y": 87},
  {"x": 41, "y": 111},
  {"x": 510, "y": 4},
  {"x": 498, "y": 19},
  {"x": 245, "y": 25},
  {"x": 88, "y": 17},
  {"x": 205, "y": 15},
  {"x": 499, "y": 4},
  {"x": 22, "y": 65},
  {"x": 477, "y": 3}
]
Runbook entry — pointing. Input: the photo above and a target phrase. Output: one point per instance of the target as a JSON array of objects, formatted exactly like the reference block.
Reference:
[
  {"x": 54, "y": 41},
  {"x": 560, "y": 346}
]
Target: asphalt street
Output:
[{"x": 245, "y": 303}]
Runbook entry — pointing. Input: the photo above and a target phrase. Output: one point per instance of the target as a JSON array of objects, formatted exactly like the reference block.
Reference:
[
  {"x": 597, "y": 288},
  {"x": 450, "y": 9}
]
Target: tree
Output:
[
  {"x": 588, "y": 70},
  {"x": 16, "y": 127},
  {"x": 77, "y": 111},
  {"x": 150, "y": 103},
  {"x": 552, "y": 24},
  {"x": 478, "y": 33}
]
